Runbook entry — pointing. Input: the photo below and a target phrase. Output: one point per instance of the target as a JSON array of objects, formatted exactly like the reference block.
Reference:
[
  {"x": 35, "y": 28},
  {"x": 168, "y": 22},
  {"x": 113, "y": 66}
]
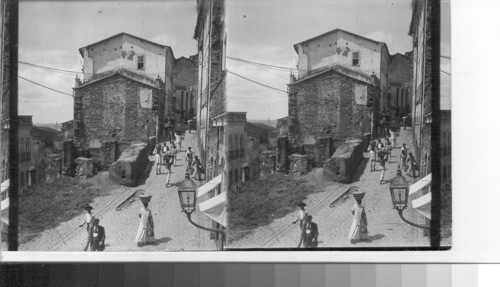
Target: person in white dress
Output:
[
  {"x": 359, "y": 226},
  {"x": 145, "y": 231}
]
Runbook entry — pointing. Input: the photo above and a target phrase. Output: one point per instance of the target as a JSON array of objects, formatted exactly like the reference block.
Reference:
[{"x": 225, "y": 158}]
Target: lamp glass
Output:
[
  {"x": 399, "y": 191},
  {"x": 187, "y": 194}
]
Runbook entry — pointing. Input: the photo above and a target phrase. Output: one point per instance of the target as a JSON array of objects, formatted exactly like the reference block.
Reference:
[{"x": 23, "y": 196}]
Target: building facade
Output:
[
  {"x": 330, "y": 106},
  {"x": 120, "y": 108},
  {"x": 142, "y": 57},
  {"x": 400, "y": 82},
  {"x": 340, "y": 47},
  {"x": 421, "y": 90},
  {"x": 185, "y": 81},
  {"x": 211, "y": 106}
]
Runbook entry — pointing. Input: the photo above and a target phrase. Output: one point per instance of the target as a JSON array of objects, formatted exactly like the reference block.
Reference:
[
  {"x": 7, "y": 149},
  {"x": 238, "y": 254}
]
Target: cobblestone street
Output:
[
  {"x": 173, "y": 232},
  {"x": 385, "y": 227}
]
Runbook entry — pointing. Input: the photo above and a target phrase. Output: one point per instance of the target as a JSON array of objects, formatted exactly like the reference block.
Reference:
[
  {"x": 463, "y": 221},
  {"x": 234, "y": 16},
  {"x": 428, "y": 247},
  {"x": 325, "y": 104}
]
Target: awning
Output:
[
  {"x": 421, "y": 183},
  {"x": 4, "y": 204},
  {"x": 4, "y": 217},
  {"x": 423, "y": 205},
  {"x": 209, "y": 185},
  {"x": 215, "y": 208}
]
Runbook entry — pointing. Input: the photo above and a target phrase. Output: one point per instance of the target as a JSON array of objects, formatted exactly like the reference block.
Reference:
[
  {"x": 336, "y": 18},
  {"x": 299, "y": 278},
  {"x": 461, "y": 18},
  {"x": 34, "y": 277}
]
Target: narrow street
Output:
[
  {"x": 385, "y": 227},
  {"x": 173, "y": 231}
]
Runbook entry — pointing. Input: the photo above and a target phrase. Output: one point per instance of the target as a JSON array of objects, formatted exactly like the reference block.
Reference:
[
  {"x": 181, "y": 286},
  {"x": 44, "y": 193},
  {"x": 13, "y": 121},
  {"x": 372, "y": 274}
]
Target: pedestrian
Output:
[
  {"x": 404, "y": 156},
  {"x": 96, "y": 237},
  {"x": 411, "y": 163},
  {"x": 88, "y": 217},
  {"x": 198, "y": 168},
  {"x": 164, "y": 150},
  {"x": 382, "y": 156},
  {"x": 173, "y": 152},
  {"x": 309, "y": 234},
  {"x": 388, "y": 148},
  {"x": 178, "y": 140},
  {"x": 393, "y": 138},
  {"x": 359, "y": 226},
  {"x": 301, "y": 214},
  {"x": 189, "y": 158},
  {"x": 145, "y": 231},
  {"x": 158, "y": 160},
  {"x": 373, "y": 158},
  {"x": 167, "y": 161}
]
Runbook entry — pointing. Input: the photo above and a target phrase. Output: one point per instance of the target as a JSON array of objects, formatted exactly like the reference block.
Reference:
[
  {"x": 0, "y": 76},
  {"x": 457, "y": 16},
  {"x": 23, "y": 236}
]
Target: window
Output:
[
  {"x": 140, "y": 62},
  {"x": 236, "y": 178},
  {"x": 355, "y": 58}
]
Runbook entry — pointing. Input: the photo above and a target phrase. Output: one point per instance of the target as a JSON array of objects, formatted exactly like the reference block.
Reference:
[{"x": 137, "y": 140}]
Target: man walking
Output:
[
  {"x": 309, "y": 234},
  {"x": 87, "y": 220},
  {"x": 189, "y": 158},
  {"x": 404, "y": 155}
]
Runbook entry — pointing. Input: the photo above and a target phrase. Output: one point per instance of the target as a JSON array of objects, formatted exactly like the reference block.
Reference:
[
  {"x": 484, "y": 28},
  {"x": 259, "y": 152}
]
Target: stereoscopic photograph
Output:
[
  {"x": 336, "y": 150},
  {"x": 211, "y": 125}
]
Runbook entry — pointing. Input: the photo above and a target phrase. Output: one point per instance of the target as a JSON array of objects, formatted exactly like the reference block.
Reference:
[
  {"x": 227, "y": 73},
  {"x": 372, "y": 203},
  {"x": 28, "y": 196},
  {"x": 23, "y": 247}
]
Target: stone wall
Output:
[
  {"x": 105, "y": 155},
  {"x": 344, "y": 162},
  {"x": 68, "y": 159},
  {"x": 267, "y": 161},
  {"x": 111, "y": 110},
  {"x": 130, "y": 166},
  {"x": 282, "y": 152},
  {"x": 325, "y": 106},
  {"x": 53, "y": 167},
  {"x": 298, "y": 164},
  {"x": 84, "y": 168}
]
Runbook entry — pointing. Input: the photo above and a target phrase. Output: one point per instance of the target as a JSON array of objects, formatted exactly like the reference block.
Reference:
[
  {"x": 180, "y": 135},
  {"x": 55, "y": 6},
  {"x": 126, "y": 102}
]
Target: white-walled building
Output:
[
  {"x": 126, "y": 51},
  {"x": 339, "y": 47}
]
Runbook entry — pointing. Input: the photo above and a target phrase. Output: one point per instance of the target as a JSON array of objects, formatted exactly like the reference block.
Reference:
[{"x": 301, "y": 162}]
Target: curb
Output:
[
  {"x": 122, "y": 202},
  {"x": 338, "y": 197}
]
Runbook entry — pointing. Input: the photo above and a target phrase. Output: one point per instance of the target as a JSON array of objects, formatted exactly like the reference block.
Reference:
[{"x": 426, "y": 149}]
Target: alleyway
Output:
[
  {"x": 173, "y": 232},
  {"x": 385, "y": 227}
]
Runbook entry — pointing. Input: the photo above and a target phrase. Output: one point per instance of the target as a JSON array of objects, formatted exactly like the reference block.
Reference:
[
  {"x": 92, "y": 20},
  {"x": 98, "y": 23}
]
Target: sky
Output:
[
  {"x": 265, "y": 31},
  {"x": 50, "y": 34}
]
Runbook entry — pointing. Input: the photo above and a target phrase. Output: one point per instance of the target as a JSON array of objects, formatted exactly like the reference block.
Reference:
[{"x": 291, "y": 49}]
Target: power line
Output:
[
  {"x": 262, "y": 64},
  {"x": 445, "y": 72},
  {"x": 45, "y": 86},
  {"x": 76, "y": 72},
  {"x": 258, "y": 83},
  {"x": 49, "y": 68}
]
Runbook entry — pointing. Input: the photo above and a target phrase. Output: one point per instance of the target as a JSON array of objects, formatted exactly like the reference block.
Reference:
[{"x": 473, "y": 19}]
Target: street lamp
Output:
[
  {"x": 187, "y": 198},
  {"x": 399, "y": 194}
]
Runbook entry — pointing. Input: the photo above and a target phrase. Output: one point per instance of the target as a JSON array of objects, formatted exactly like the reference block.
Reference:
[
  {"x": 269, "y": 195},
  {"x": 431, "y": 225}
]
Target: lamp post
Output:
[
  {"x": 399, "y": 195},
  {"x": 187, "y": 198}
]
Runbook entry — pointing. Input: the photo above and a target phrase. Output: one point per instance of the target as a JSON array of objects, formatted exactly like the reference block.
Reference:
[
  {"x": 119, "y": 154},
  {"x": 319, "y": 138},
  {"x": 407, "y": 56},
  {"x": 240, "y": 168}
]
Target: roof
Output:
[
  {"x": 122, "y": 34},
  {"x": 341, "y": 70},
  {"x": 335, "y": 31},
  {"x": 124, "y": 73}
]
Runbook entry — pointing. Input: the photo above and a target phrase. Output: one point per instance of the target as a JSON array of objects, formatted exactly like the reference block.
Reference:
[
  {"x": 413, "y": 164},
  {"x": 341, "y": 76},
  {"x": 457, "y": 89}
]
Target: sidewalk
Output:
[
  {"x": 173, "y": 231},
  {"x": 384, "y": 225}
]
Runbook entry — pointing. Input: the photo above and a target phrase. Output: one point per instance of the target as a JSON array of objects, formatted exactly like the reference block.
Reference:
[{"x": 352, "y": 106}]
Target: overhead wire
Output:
[
  {"x": 258, "y": 83},
  {"x": 52, "y": 69},
  {"x": 41, "y": 85}
]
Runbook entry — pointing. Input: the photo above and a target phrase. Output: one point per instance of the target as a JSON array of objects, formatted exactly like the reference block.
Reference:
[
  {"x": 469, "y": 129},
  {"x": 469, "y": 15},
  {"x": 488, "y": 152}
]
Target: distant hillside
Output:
[
  {"x": 265, "y": 122},
  {"x": 56, "y": 126}
]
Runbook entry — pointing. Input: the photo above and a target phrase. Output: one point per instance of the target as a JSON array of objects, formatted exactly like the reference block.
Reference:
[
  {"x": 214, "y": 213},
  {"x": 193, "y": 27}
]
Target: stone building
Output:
[
  {"x": 422, "y": 89},
  {"x": 400, "y": 80},
  {"x": 116, "y": 110},
  {"x": 123, "y": 96},
  {"x": 210, "y": 109},
  {"x": 425, "y": 97},
  {"x": 26, "y": 169},
  {"x": 185, "y": 75},
  {"x": 340, "y": 47},
  {"x": 327, "y": 107}
]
